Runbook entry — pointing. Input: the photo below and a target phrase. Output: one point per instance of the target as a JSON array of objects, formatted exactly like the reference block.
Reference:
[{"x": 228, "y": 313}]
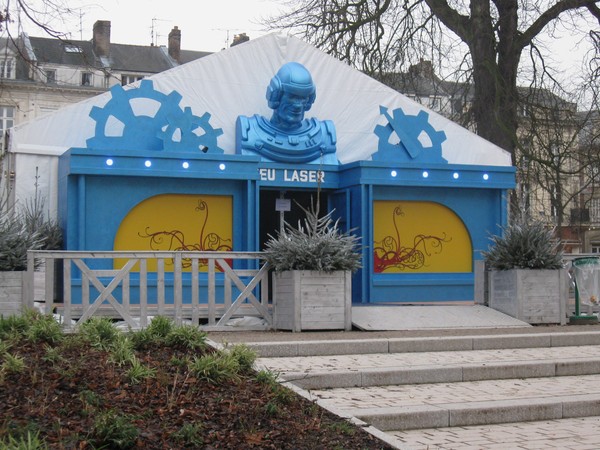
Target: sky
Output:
[{"x": 206, "y": 25}]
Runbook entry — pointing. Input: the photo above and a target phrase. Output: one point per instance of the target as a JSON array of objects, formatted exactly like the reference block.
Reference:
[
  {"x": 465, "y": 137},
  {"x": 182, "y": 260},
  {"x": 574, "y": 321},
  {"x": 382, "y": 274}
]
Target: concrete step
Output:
[
  {"x": 446, "y": 391},
  {"x": 380, "y": 369},
  {"x": 562, "y": 434},
  {"x": 433, "y": 374},
  {"x": 467, "y": 403},
  {"x": 422, "y": 344}
]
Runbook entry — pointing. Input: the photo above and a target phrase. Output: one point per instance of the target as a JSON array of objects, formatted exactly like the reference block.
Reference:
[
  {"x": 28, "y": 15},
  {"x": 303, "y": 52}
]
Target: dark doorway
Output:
[{"x": 270, "y": 217}]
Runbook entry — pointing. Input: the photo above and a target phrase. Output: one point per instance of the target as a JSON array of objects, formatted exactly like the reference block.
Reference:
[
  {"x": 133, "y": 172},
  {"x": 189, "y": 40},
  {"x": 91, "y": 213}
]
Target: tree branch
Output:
[
  {"x": 551, "y": 14},
  {"x": 457, "y": 23}
]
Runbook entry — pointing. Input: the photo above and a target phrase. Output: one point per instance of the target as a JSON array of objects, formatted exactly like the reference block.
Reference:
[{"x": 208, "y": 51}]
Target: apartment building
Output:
[{"x": 41, "y": 75}]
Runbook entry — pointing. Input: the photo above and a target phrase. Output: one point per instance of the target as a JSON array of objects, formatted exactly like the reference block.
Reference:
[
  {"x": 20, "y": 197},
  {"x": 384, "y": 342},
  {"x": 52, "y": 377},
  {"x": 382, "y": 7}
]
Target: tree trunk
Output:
[{"x": 496, "y": 98}]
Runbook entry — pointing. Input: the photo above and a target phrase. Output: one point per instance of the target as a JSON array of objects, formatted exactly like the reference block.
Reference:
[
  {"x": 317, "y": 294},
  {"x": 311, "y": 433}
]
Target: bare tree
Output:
[
  {"x": 44, "y": 15},
  {"x": 483, "y": 42}
]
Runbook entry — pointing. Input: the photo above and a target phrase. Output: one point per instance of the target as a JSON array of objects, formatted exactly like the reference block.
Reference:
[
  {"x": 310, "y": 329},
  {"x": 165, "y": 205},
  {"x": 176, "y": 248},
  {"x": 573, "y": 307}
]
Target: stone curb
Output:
[
  {"x": 479, "y": 413},
  {"x": 422, "y": 344},
  {"x": 436, "y": 374}
]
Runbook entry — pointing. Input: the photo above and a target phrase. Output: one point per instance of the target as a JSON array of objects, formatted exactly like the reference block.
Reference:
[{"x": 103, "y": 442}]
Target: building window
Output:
[
  {"x": 524, "y": 110},
  {"x": 457, "y": 106},
  {"x": 553, "y": 209},
  {"x": 71, "y": 48},
  {"x": 594, "y": 206},
  {"x": 86, "y": 79},
  {"x": 126, "y": 79},
  {"x": 50, "y": 76},
  {"x": 7, "y": 68},
  {"x": 435, "y": 103},
  {"x": 595, "y": 247},
  {"x": 7, "y": 120}
]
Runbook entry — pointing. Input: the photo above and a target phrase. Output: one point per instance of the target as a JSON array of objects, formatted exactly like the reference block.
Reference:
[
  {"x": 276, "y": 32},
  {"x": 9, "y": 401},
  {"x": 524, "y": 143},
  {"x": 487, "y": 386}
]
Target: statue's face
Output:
[{"x": 291, "y": 110}]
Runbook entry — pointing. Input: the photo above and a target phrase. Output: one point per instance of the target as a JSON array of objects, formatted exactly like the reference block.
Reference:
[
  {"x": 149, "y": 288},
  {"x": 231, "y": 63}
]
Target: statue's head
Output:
[{"x": 290, "y": 94}]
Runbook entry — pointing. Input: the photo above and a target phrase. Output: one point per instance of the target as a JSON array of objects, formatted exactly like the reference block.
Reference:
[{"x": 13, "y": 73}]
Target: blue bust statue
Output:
[{"x": 288, "y": 137}]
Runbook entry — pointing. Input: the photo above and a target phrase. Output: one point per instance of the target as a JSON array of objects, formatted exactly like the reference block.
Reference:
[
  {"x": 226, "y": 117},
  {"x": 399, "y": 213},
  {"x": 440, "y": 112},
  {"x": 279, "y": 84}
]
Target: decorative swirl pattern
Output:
[
  {"x": 175, "y": 239},
  {"x": 390, "y": 253}
]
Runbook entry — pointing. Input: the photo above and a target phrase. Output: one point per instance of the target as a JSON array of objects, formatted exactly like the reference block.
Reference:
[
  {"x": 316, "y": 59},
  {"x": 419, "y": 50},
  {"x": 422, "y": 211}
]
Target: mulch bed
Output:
[{"x": 60, "y": 396}]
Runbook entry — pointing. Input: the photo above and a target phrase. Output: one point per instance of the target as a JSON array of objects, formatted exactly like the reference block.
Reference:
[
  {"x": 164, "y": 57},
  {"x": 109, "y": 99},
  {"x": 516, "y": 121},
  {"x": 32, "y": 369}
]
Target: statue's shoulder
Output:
[
  {"x": 245, "y": 124},
  {"x": 327, "y": 128}
]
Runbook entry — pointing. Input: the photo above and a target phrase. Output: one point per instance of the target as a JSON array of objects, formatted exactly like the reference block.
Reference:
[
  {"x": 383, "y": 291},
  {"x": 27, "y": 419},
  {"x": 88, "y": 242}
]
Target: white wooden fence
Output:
[{"x": 183, "y": 301}]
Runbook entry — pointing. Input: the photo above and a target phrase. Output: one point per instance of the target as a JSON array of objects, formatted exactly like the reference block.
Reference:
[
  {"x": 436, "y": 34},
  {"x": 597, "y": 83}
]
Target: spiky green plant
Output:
[
  {"x": 100, "y": 332},
  {"x": 30, "y": 441},
  {"x": 15, "y": 240},
  {"x": 12, "y": 363},
  {"x": 524, "y": 244},
  {"x": 27, "y": 229},
  {"x": 317, "y": 243},
  {"x": 244, "y": 355},
  {"x": 44, "y": 329},
  {"x": 186, "y": 336},
  {"x": 216, "y": 368},
  {"x": 114, "y": 430},
  {"x": 121, "y": 351},
  {"x": 138, "y": 372},
  {"x": 190, "y": 434}
]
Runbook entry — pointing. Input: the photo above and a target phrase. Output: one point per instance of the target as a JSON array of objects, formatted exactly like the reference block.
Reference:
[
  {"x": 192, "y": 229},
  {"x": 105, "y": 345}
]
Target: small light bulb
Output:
[
  {"x": 486, "y": 176},
  {"x": 148, "y": 163},
  {"x": 455, "y": 175},
  {"x": 185, "y": 165},
  {"x": 222, "y": 166},
  {"x": 109, "y": 162},
  {"x": 394, "y": 173},
  {"x": 425, "y": 174}
]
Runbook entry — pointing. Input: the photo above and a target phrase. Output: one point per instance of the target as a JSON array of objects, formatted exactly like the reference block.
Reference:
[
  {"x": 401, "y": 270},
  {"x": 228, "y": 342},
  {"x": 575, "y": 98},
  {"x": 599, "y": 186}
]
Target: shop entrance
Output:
[{"x": 272, "y": 201}]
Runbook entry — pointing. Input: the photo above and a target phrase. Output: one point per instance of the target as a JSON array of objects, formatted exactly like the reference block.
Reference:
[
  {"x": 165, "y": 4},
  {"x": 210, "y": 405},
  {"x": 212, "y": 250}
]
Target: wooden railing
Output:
[{"x": 90, "y": 286}]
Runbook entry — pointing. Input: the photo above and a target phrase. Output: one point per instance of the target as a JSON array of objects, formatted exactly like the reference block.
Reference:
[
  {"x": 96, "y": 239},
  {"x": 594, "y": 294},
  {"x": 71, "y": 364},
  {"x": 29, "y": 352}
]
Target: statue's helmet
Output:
[{"x": 293, "y": 78}]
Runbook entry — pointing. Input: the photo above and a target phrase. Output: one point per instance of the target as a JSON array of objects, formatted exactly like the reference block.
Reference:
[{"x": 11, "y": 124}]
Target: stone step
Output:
[
  {"x": 430, "y": 392},
  {"x": 423, "y": 344},
  {"x": 460, "y": 404},
  {"x": 564, "y": 434},
  {"x": 380, "y": 369},
  {"x": 425, "y": 375}
]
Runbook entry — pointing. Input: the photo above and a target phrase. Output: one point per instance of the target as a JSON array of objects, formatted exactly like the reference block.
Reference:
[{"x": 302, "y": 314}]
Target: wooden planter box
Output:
[
  {"x": 533, "y": 296},
  {"x": 309, "y": 300},
  {"x": 11, "y": 293}
]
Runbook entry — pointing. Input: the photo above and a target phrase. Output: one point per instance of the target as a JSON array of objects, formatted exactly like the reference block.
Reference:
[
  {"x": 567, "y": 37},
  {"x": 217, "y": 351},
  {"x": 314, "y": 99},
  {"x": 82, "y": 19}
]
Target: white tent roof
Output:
[{"x": 232, "y": 83}]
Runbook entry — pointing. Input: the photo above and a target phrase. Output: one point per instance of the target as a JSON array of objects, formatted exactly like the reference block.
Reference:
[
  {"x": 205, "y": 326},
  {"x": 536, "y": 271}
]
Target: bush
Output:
[
  {"x": 316, "y": 244},
  {"x": 15, "y": 240},
  {"x": 24, "y": 230},
  {"x": 524, "y": 244}
]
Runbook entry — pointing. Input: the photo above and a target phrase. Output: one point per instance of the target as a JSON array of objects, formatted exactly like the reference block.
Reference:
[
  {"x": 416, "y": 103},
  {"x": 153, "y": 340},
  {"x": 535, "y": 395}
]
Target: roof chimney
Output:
[
  {"x": 175, "y": 44},
  {"x": 423, "y": 68},
  {"x": 101, "y": 38},
  {"x": 240, "y": 39}
]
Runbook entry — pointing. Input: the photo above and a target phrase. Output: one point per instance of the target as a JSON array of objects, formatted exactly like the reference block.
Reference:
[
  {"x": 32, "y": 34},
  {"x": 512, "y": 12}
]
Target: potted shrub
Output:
[
  {"x": 527, "y": 277},
  {"x": 19, "y": 232},
  {"x": 312, "y": 265}
]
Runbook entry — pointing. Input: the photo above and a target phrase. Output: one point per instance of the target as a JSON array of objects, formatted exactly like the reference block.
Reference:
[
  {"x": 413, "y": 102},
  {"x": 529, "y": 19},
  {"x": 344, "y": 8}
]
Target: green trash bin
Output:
[{"x": 586, "y": 273}]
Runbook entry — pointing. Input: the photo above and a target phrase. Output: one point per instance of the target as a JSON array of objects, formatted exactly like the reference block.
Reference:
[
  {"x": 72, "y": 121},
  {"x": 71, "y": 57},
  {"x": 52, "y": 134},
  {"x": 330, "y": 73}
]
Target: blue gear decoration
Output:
[
  {"x": 181, "y": 133},
  {"x": 147, "y": 132},
  {"x": 409, "y": 130}
]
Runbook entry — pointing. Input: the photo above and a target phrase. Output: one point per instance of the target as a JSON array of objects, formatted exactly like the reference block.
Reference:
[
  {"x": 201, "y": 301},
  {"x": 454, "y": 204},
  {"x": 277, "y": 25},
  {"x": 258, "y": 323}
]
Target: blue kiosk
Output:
[{"x": 162, "y": 171}]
